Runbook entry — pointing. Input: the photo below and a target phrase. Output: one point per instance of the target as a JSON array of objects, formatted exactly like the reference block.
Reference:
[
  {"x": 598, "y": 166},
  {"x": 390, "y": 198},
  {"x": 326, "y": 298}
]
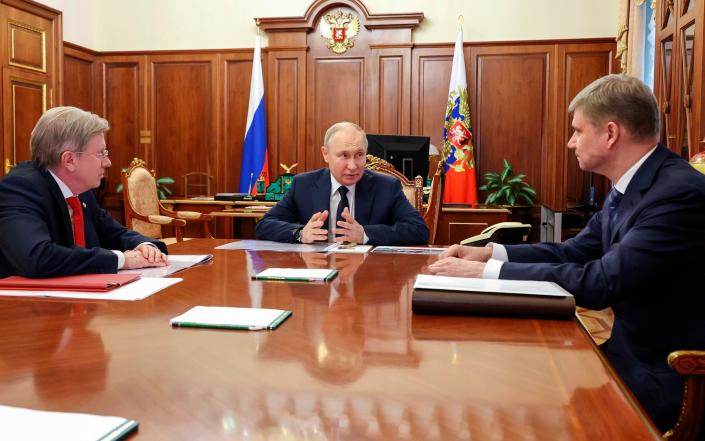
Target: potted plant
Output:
[{"x": 505, "y": 188}]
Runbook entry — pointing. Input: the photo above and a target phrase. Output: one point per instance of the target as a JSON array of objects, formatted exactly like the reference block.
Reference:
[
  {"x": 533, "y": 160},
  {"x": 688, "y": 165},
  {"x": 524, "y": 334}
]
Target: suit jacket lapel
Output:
[
  {"x": 640, "y": 183},
  {"x": 321, "y": 193},
  {"x": 364, "y": 197}
]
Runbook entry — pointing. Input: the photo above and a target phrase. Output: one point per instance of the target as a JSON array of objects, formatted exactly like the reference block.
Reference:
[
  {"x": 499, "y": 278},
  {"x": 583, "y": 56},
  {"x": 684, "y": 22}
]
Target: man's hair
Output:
[
  {"x": 60, "y": 129},
  {"x": 337, "y": 127},
  {"x": 623, "y": 99}
]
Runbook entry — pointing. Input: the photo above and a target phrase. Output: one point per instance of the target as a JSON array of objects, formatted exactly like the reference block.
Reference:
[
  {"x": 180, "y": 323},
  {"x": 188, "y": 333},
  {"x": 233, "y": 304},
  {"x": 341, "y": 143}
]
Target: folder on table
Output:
[
  {"x": 25, "y": 424},
  {"x": 83, "y": 282},
  {"x": 297, "y": 274},
  {"x": 251, "y": 319},
  {"x": 470, "y": 296}
]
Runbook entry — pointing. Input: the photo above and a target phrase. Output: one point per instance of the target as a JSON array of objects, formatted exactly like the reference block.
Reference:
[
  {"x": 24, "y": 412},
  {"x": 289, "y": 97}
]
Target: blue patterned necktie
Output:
[{"x": 611, "y": 207}]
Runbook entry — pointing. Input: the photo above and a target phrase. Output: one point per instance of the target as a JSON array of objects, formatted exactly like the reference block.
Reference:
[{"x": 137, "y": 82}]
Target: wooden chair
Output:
[
  {"x": 435, "y": 202},
  {"x": 689, "y": 426},
  {"x": 413, "y": 190},
  {"x": 197, "y": 184},
  {"x": 143, "y": 211}
]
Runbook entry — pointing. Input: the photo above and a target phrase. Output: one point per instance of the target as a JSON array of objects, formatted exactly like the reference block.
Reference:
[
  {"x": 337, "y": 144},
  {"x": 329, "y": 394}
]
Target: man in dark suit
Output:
[
  {"x": 371, "y": 207},
  {"x": 50, "y": 221},
  {"x": 642, "y": 254}
]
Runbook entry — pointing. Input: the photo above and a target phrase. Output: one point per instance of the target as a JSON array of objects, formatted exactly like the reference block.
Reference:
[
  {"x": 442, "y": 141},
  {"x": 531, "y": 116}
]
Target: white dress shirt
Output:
[{"x": 334, "y": 201}]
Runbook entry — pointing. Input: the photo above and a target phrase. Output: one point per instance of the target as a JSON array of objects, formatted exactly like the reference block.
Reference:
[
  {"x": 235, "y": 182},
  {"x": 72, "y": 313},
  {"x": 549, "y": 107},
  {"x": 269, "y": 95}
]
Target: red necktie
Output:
[{"x": 78, "y": 234}]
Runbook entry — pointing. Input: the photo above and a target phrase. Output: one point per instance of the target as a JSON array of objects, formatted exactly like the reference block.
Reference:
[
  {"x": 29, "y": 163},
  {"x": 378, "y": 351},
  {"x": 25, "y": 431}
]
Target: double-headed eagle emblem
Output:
[
  {"x": 457, "y": 143},
  {"x": 339, "y": 29}
]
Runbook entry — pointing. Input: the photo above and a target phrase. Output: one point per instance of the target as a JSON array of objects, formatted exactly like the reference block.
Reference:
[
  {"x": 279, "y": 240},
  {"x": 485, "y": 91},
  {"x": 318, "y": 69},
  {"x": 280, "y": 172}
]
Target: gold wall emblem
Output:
[{"x": 339, "y": 30}]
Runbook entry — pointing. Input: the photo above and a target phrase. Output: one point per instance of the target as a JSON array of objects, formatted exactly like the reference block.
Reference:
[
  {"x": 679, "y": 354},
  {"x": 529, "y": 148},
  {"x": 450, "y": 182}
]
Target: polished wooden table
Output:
[{"x": 352, "y": 363}]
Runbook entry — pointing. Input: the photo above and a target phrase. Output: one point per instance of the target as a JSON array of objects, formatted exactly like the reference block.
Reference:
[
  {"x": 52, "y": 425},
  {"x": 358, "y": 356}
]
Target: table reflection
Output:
[{"x": 57, "y": 348}]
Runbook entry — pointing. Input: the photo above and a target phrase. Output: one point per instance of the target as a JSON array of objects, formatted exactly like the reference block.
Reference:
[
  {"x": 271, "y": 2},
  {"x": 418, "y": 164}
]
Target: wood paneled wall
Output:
[
  {"x": 186, "y": 111},
  {"x": 32, "y": 73}
]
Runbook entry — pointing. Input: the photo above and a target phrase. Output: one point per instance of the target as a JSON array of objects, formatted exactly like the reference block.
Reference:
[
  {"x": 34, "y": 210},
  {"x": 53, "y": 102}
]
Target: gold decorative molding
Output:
[
  {"x": 42, "y": 35},
  {"x": 288, "y": 169}
]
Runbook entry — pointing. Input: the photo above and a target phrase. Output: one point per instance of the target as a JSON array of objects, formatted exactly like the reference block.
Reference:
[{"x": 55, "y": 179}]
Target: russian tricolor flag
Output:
[{"x": 254, "y": 151}]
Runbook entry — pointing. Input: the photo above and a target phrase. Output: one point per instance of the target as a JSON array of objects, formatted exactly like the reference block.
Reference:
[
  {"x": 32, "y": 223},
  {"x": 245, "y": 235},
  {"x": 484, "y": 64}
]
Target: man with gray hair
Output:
[
  {"x": 353, "y": 204},
  {"x": 50, "y": 221},
  {"x": 642, "y": 254}
]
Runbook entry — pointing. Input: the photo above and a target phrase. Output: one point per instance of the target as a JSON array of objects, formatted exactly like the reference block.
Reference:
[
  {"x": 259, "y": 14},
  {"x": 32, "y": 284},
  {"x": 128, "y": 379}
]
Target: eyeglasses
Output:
[{"x": 100, "y": 155}]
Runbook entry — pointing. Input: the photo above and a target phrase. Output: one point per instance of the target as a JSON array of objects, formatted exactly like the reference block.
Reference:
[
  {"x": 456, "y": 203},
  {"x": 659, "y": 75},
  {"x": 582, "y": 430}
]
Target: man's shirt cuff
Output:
[
  {"x": 365, "y": 239},
  {"x": 121, "y": 258},
  {"x": 499, "y": 252},
  {"x": 492, "y": 269}
]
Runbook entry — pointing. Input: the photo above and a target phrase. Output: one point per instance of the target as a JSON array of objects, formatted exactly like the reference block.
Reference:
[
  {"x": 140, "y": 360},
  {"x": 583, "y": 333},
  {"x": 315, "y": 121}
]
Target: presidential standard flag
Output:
[
  {"x": 458, "y": 151},
  {"x": 254, "y": 151}
]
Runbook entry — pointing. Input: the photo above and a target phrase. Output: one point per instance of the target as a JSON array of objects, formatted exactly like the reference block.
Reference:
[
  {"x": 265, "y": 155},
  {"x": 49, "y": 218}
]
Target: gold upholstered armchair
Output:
[
  {"x": 689, "y": 427},
  {"x": 413, "y": 190},
  {"x": 143, "y": 211}
]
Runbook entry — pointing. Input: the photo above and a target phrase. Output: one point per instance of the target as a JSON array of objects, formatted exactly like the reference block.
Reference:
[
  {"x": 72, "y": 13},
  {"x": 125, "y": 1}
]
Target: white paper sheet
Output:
[
  {"x": 177, "y": 263},
  {"x": 137, "y": 290},
  {"x": 268, "y": 245},
  {"x": 357, "y": 249},
  {"x": 528, "y": 287},
  {"x": 20, "y": 424}
]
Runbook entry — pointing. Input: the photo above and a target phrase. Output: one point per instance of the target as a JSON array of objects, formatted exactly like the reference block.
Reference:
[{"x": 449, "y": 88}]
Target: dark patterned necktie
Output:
[
  {"x": 342, "y": 205},
  {"x": 611, "y": 207}
]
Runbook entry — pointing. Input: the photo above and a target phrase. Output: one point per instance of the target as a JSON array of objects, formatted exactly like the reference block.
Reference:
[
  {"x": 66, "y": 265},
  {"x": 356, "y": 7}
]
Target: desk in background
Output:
[
  {"x": 233, "y": 218},
  {"x": 237, "y": 221},
  {"x": 352, "y": 363}
]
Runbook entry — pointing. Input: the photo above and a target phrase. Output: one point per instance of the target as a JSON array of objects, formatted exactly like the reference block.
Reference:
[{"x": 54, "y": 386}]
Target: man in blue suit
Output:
[
  {"x": 371, "y": 207},
  {"x": 50, "y": 221},
  {"x": 642, "y": 254}
]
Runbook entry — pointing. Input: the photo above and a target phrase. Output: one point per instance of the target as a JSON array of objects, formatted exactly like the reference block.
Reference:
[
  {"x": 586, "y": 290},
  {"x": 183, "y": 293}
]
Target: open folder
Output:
[
  {"x": 470, "y": 296},
  {"x": 83, "y": 282}
]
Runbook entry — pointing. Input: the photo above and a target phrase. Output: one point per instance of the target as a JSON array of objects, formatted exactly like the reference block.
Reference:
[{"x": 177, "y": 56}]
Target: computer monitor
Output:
[{"x": 408, "y": 154}]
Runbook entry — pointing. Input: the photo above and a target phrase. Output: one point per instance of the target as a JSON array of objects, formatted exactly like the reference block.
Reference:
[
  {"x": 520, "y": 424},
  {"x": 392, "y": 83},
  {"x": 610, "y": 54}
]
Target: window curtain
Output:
[{"x": 631, "y": 35}]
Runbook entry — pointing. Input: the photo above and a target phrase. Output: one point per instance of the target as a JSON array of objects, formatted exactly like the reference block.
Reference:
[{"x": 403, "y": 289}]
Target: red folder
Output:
[{"x": 84, "y": 282}]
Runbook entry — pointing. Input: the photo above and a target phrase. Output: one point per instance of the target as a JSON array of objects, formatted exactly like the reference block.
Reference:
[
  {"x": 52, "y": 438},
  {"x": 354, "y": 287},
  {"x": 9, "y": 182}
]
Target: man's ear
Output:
[
  {"x": 324, "y": 152},
  {"x": 67, "y": 160},
  {"x": 613, "y": 131}
]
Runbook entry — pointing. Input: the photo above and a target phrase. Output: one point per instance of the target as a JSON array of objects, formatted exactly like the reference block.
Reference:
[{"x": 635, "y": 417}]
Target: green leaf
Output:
[
  {"x": 512, "y": 199},
  {"x": 518, "y": 179},
  {"x": 529, "y": 200},
  {"x": 165, "y": 180},
  {"x": 529, "y": 191},
  {"x": 491, "y": 199},
  {"x": 118, "y": 189}
]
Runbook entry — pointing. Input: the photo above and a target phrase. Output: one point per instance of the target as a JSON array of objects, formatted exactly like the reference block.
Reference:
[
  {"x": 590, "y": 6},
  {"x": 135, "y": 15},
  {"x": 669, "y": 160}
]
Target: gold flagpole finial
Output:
[
  {"x": 257, "y": 24},
  {"x": 461, "y": 20}
]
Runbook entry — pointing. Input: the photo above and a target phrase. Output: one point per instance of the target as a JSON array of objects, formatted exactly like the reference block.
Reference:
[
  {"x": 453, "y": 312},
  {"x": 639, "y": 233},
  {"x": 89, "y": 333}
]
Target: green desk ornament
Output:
[{"x": 278, "y": 188}]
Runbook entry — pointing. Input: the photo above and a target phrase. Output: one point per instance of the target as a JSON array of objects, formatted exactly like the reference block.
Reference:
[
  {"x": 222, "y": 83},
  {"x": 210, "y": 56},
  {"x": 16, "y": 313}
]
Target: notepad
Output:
[
  {"x": 297, "y": 274},
  {"x": 252, "y": 319},
  {"x": 20, "y": 424}
]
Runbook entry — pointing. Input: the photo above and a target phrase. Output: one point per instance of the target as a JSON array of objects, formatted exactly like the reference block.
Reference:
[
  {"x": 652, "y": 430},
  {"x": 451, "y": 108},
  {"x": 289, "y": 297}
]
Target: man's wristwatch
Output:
[{"x": 297, "y": 235}]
